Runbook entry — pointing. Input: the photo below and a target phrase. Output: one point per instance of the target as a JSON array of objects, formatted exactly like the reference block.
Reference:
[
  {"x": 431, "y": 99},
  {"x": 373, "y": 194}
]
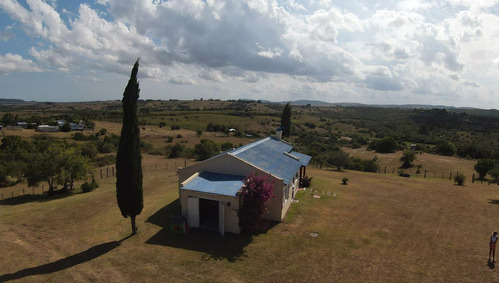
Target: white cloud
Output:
[
  {"x": 14, "y": 63},
  {"x": 355, "y": 47}
]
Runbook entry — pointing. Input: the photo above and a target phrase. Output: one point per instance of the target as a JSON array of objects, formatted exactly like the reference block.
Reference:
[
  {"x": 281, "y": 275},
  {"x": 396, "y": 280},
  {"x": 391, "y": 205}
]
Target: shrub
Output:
[
  {"x": 403, "y": 174},
  {"x": 305, "y": 182},
  {"x": 345, "y": 180},
  {"x": 255, "y": 195},
  {"x": 460, "y": 179},
  {"x": 89, "y": 186}
]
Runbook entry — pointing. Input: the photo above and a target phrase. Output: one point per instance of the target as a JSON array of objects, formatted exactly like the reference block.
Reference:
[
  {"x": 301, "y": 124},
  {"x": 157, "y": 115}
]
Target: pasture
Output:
[{"x": 379, "y": 227}]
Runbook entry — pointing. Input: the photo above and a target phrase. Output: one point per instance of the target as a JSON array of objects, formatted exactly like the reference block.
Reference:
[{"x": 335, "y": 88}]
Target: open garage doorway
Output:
[
  {"x": 209, "y": 214},
  {"x": 206, "y": 214}
]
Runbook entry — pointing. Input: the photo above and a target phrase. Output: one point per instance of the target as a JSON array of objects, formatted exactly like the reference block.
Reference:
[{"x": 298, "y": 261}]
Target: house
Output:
[
  {"x": 77, "y": 127},
  {"x": 209, "y": 190},
  {"x": 47, "y": 128},
  {"x": 22, "y": 124}
]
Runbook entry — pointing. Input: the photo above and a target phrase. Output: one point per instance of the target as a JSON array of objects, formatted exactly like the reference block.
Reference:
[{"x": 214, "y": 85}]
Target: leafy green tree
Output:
[
  {"x": 175, "y": 151},
  {"x": 446, "y": 148},
  {"x": 256, "y": 193},
  {"x": 338, "y": 159},
  {"x": 8, "y": 119},
  {"x": 407, "y": 158},
  {"x": 206, "y": 149},
  {"x": 386, "y": 145},
  {"x": 74, "y": 167},
  {"x": 45, "y": 166},
  {"x": 483, "y": 166},
  {"x": 128, "y": 157},
  {"x": 66, "y": 127},
  {"x": 286, "y": 118},
  {"x": 494, "y": 174}
]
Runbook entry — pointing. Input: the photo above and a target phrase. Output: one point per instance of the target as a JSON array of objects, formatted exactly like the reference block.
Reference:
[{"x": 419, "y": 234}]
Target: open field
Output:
[
  {"x": 438, "y": 164},
  {"x": 377, "y": 228}
]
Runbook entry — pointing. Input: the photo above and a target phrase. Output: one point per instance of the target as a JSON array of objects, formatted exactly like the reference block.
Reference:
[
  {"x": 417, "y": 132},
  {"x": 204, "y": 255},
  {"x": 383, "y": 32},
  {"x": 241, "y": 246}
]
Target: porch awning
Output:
[{"x": 215, "y": 183}]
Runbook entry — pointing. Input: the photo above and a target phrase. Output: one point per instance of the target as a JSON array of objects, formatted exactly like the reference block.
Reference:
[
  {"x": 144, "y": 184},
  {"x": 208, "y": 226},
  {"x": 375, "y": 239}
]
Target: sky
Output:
[{"x": 373, "y": 52}]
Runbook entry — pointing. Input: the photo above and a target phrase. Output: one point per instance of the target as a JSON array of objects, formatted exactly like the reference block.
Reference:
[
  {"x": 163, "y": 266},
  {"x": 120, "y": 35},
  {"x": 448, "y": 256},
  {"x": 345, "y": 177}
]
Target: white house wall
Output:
[
  {"x": 231, "y": 220},
  {"x": 228, "y": 164}
]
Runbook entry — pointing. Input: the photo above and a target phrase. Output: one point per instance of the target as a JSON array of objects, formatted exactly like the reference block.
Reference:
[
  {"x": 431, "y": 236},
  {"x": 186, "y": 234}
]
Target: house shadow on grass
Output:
[
  {"x": 229, "y": 247},
  {"x": 88, "y": 255}
]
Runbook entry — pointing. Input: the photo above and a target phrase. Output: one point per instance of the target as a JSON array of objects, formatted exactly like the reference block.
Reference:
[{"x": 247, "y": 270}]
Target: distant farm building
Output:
[
  {"x": 209, "y": 190},
  {"x": 47, "y": 128}
]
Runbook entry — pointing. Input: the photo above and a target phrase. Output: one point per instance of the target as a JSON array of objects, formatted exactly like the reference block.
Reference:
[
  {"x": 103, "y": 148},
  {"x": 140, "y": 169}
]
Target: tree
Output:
[
  {"x": 206, "y": 149},
  {"x": 254, "y": 197},
  {"x": 128, "y": 157},
  {"x": 446, "y": 148},
  {"x": 338, "y": 159},
  {"x": 483, "y": 166},
  {"x": 407, "y": 158},
  {"x": 286, "y": 117},
  {"x": 386, "y": 145},
  {"x": 66, "y": 127},
  {"x": 8, "y": 119}
]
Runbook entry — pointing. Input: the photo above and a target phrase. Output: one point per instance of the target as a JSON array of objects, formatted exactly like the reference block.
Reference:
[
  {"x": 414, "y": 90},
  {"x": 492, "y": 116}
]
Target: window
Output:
[{"x": 286, "y": 194}]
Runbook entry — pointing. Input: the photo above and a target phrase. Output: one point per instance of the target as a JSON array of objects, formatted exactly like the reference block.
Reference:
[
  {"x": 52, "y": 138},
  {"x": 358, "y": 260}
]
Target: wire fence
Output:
[{"x": 22, "y": 193}]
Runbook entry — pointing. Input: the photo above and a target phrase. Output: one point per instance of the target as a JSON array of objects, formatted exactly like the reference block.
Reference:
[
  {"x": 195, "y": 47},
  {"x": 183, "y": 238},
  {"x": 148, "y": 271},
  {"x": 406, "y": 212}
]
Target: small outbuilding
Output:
[{"x": 209, "y": 191}]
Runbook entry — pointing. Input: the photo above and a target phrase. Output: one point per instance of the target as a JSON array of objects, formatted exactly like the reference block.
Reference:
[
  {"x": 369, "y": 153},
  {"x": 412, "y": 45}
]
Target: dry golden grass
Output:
[
  {"x": 440, "y": 165},
  {"x": 377, "y": 228}
]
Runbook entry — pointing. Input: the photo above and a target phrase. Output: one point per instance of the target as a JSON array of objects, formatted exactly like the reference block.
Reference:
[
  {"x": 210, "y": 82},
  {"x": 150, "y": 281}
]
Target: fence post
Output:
[
  {"x": 107, "y": 172},
  {"x": 23, "y": 191},
  {"x": 425, "y": 174},
  {"x": 450, "y": 175},
  {"x": 472, "y": 178},
  {"x": 33, "y": 188},
  {"x": 101, "y": 172},
  {"x": 113, "y": 171},
  {"x": 385, "y": 169}
]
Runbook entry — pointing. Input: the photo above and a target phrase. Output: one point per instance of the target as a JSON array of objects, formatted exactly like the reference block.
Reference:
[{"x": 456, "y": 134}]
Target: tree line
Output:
[{"x": 44, "y": 159}]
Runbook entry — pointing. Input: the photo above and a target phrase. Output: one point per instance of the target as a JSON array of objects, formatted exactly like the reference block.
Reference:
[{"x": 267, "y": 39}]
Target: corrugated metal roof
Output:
[
  {"x": 214, "y": 183},
  {"x": 304, "y": 159},
  {"x": 273, "y": 156}
]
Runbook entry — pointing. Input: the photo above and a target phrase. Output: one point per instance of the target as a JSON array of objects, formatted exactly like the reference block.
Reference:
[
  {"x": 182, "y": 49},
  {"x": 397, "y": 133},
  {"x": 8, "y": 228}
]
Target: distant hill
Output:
[
  {"x": 349, "y": 104},
  {"x": 11, "y": 101}
]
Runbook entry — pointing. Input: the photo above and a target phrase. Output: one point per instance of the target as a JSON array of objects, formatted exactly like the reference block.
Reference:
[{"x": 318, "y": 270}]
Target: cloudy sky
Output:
[{"x": 375, "y": 52}]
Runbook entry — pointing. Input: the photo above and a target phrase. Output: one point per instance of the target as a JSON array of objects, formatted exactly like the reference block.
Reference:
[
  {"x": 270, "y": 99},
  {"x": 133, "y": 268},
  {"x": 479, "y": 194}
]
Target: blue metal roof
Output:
[
  {"x": 304, "y": 159},
  {"x": 214, "y": 183},
  {"x": 273, "y": 156}
]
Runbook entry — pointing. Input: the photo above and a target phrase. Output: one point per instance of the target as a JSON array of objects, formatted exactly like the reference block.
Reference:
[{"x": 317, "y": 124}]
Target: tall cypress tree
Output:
[
  {"x": 128, "y": 157},
  {"x": 286, "y": 117}
]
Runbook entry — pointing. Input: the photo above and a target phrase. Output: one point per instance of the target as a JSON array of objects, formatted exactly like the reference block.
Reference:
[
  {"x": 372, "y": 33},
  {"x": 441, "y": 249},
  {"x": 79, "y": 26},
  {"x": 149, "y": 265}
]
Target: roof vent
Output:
[{"x": 292, "y": 156}]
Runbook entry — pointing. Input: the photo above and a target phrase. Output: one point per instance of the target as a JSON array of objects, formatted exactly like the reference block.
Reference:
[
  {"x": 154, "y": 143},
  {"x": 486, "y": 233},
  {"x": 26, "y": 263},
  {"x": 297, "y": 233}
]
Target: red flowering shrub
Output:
[{"x": 256, "y": 194}]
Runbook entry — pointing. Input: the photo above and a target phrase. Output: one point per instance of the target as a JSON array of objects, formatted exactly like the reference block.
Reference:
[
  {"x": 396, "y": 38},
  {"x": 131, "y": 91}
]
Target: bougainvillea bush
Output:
[{"x": 256, "y": 193}]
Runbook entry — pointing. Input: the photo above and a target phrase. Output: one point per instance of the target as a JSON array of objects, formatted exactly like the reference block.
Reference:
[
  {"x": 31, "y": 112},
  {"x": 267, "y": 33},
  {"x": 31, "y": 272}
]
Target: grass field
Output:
[{"x": 379, "y": 227}]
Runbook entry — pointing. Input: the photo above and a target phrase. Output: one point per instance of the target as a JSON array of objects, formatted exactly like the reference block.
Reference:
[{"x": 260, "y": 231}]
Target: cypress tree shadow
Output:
[
  {"x": 230, "y": 247},
  {"x": 88, "y": 255}
]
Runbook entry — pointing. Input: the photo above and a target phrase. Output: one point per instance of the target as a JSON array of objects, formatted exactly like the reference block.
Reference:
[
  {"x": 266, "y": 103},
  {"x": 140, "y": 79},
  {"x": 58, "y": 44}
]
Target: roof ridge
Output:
[{"x": 248, "y": 146}]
